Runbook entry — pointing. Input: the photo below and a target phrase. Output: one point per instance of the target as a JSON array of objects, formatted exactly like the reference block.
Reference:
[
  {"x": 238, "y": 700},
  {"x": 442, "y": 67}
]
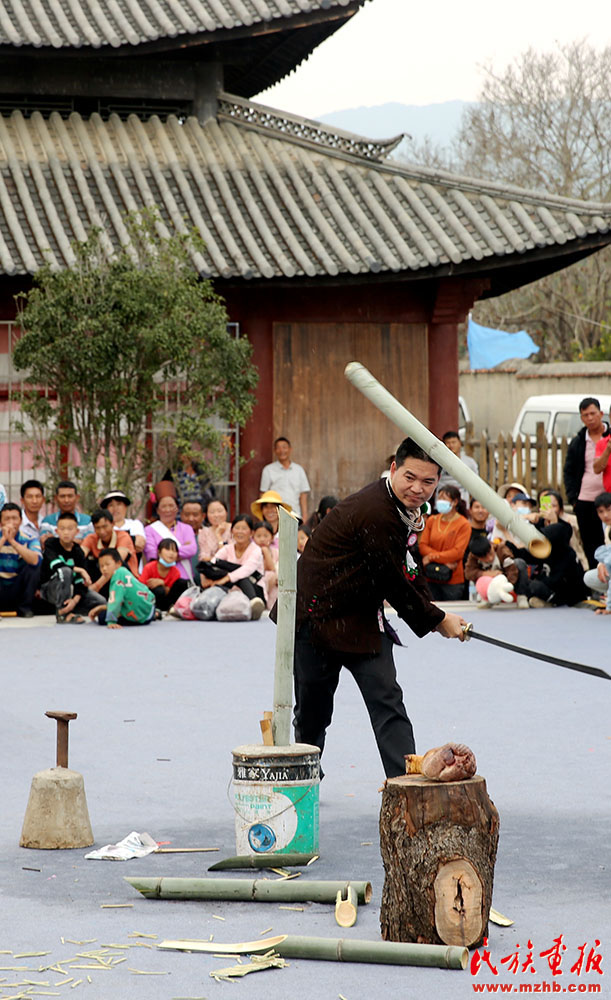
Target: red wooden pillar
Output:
[
  {"x": 257, "y": 435},
  {"x": 443, "y": 377}
]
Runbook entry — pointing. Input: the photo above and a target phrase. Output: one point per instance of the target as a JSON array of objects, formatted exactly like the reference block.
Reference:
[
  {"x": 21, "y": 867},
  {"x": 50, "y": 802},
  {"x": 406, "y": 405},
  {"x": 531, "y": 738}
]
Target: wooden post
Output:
[
  {"x": 483, "y": 459},
  {"x": 438, "y": 842},
  {"x": 541, "y": 456},
  {"x": 285, "y": 635}
]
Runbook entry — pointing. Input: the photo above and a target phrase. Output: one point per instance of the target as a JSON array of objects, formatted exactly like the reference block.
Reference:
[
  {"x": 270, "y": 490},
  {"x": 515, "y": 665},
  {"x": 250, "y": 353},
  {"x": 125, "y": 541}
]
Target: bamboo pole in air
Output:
[{"x": 362, "y": 379}]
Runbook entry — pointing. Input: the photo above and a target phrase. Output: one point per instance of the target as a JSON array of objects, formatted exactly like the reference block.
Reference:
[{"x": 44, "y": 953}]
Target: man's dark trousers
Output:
[
  {"x": 316, "y": 678},
  {"x": 17, "y": 594},
  {"x": 590, "y": 529}
]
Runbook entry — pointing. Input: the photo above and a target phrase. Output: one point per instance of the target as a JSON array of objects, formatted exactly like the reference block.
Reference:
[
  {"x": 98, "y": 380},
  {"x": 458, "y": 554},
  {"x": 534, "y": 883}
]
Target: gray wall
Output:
[{"x": 494, "y": 397}]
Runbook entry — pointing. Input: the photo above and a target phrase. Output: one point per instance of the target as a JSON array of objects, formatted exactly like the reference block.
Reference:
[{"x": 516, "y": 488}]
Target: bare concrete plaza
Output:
[{"x": 160, "y": 710}]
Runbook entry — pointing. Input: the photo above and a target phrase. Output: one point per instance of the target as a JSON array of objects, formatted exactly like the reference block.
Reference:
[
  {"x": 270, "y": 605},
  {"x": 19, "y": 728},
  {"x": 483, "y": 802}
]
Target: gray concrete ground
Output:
[{"x": 542, "y": 736}]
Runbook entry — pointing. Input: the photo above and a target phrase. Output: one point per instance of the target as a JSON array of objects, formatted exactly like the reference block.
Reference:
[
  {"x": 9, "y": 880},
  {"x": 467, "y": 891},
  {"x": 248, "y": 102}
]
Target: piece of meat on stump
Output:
[{"x": 450, "y": 762}]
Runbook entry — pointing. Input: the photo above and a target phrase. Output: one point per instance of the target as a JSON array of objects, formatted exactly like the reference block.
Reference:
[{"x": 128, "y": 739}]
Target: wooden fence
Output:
[{"x": 535, "y": 462}]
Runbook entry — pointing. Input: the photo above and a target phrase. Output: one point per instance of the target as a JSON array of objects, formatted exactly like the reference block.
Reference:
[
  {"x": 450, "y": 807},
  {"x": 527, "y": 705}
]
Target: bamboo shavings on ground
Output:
[
  {"x": 146, "y": 972},
  {"x": 498, "y": 918},
  {"x": 31, "y": 954},
  {"x": 258, "y": 963}
]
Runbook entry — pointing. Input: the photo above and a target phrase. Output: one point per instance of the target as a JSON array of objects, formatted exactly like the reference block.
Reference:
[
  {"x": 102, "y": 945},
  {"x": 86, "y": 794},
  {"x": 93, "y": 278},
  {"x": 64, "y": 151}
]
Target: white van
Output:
[{"x": 559, "y": 414}]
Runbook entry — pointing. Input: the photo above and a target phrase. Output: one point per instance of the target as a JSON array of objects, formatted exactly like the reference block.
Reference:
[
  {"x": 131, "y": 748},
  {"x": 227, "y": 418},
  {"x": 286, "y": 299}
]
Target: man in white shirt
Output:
[
  {"x": 452, "y": 441},
  {"x": 287, "y": 478},
  {"x": 32, "y": 498}
]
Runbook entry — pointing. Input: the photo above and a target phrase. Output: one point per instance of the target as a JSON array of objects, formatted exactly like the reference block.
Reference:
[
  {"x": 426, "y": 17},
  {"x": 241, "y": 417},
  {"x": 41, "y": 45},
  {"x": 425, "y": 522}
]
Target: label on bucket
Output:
[
  {"x": 276, "y": 772},
  {"x": 276, "y": 819}
]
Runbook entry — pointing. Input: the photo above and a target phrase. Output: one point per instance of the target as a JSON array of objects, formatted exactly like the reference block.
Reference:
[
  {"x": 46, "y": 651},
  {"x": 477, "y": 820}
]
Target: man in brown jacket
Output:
[{"x": 362, "y": 553}]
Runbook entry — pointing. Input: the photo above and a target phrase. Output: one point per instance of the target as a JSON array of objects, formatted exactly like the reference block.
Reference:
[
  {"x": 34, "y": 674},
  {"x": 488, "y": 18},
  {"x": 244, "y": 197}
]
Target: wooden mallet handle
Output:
[{"x": 63, "y": 718}]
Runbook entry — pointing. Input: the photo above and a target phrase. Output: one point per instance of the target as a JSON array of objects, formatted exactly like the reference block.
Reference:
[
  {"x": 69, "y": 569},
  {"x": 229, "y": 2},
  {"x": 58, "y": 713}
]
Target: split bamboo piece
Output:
[
  {"x": 261, "y": 890},
  {"x": 262, "y": 861},
  {"x": 185, "y": 850},
  {"x": 285, "y": 635},
  {"x": 346, "y": 908},
  {"x": 266, "y": 725},
  {"x": 337, "y": 950}
]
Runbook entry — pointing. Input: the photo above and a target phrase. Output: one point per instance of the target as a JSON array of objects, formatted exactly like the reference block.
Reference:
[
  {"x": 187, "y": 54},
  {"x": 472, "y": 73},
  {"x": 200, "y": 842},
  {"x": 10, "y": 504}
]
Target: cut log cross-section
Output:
[{"x": 438, "y": 842}]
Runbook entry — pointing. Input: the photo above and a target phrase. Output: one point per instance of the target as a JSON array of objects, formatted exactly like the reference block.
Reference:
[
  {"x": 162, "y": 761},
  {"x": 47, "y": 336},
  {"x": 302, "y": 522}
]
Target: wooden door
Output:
[{"x": 338, "y": 436}]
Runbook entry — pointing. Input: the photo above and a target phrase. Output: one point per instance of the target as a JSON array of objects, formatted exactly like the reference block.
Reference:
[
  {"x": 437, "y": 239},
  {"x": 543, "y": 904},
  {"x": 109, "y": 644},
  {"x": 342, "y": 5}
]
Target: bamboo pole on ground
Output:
[
  {"x": 335, "y": 950},
  {"x": 285, "y": 635},
  {"x": 259, "y": 889},
  {"x": 363, "y": 380}
]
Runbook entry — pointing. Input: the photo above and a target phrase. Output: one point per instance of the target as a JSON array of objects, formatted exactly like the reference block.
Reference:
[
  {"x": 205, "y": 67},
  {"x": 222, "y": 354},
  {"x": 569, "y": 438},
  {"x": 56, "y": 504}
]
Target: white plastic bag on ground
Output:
[
  {"x": 235, "y": 607},
  {"x": 206, "y": 603}
]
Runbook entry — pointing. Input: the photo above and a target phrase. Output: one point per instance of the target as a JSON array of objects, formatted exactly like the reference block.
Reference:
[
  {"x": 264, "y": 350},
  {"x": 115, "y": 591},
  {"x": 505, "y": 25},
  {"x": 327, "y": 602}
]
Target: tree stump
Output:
[{"x": 438, "y": 842}]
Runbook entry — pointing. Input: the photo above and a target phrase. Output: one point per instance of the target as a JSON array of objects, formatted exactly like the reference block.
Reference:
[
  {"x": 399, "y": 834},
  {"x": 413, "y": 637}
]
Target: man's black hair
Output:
[
  {"x": 198, "y": 502},
  {"x": 602, "y": 500},
  {"x": 101, "y": 515},
  {"x": 31, "y": 484},
  {"x": 66, "y": 484},
  {"x": 67, "y": 516},
  {"x": 450, "y": 434},
  {"x": 113, "y": 553},
  {"x": 409, "y": 449},
  {"x": 589, "y": 401},
  {"x": 11, "y": 506},
  {"x": 282, "y": 438},
  {"x": 479, "y": 546}
]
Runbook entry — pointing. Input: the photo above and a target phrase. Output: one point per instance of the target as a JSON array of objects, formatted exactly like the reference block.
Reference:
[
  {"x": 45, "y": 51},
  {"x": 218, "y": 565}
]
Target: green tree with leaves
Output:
[{"x": 125, "y": 349}]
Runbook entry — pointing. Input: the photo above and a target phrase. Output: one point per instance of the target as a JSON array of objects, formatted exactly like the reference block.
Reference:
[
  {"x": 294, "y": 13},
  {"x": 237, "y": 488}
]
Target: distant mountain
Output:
[{"x": 439, "y": 121}]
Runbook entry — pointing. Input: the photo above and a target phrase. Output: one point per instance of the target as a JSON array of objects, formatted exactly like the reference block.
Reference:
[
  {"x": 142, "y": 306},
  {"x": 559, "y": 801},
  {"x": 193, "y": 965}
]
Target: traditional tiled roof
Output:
[
  {"x": 98, "y": 23},
  {"x": 272, "y": 195}
]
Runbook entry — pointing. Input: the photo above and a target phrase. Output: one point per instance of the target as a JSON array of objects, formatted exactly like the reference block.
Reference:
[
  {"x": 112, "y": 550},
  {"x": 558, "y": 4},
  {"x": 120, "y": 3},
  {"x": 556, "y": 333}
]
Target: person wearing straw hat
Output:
[
  {"x": 117, "y": 502},
  {"x": 266, "y": 509}
]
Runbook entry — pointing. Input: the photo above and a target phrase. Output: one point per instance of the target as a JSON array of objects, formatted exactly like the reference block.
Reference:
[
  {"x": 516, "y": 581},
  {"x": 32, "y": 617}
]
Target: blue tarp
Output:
[{"x": 488, "y": 347}]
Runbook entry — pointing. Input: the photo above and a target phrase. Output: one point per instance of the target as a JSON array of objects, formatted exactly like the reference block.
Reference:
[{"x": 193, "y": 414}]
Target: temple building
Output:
[{"x": 325, "y": 249}]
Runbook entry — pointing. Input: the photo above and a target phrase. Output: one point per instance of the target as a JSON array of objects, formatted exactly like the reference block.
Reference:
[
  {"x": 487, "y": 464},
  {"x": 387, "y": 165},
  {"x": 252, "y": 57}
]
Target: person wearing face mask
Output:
[
  {"x": 443, "y": 544},
  {"x": 558, "y": 579},
  {"x": 162, "y": 577}
]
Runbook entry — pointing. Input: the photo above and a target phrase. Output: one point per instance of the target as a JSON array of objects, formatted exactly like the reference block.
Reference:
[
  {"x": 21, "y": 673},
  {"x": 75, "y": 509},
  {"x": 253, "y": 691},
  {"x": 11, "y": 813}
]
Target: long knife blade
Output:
[{"x": 569, "y": 664}]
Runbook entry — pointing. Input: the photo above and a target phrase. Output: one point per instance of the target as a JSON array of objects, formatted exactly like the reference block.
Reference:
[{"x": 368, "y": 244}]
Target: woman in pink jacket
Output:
[{"x": 239, "y": 563}]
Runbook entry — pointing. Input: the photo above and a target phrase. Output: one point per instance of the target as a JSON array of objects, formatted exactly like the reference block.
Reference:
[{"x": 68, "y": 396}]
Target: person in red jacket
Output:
[
  {"x": 162, "y": 577},
  {"x": 364, "y": 552}
]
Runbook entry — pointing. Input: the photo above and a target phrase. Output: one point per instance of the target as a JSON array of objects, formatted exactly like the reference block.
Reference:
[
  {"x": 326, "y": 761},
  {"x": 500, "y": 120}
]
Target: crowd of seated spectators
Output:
[{"x": 114, "y": 568}]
